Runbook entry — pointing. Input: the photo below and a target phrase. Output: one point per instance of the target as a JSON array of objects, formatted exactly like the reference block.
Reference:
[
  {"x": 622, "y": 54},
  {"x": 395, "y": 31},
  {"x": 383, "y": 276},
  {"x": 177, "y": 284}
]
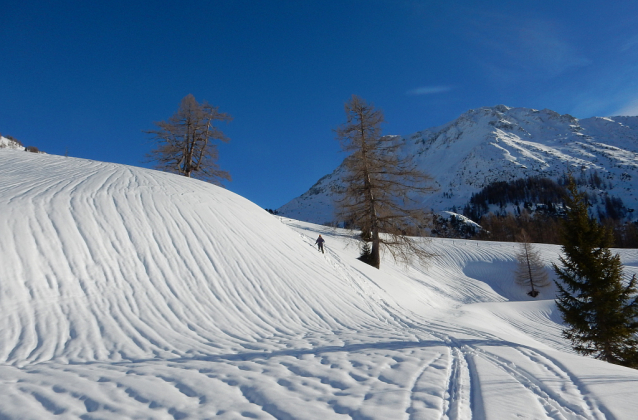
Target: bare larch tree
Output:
[
  {"x": 530, "y": 271},
  {"x": 381, "y": 189},
  {"x": 184, "y": 143}
]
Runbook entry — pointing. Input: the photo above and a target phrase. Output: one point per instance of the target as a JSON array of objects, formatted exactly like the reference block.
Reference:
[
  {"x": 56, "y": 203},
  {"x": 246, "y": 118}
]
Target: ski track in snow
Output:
[{"x": 133, "y": 294}]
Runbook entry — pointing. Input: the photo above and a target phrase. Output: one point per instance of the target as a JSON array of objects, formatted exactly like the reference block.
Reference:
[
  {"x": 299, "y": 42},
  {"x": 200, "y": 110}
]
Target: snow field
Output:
[{"x": 132, "y": 294}]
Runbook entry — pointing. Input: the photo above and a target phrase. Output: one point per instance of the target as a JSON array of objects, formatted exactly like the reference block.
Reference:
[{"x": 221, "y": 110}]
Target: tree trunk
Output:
[
  {"x": 376, "y": 181},
  {"x": 376, "y": 256},
  {"x": 374, "y": 225},
  {"x": 529, "y": 269}
]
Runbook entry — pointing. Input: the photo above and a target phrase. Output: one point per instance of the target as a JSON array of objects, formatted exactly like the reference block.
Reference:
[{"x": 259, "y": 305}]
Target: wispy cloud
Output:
[
  {"x": 606, "y": 100},
  {"x": 630, "y": 108},
  {"x": 429, "y": 90},
  {"x": 630, "y": 44},
  {"x": 524, "y": 48}
]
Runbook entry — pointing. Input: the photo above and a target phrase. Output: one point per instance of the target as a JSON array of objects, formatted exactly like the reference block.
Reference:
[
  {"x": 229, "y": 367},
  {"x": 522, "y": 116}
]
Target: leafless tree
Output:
[
  {"x": 530, "y": 271},
  {"x": 381, "y": 190},
  {"x": 184, "y": 143}
]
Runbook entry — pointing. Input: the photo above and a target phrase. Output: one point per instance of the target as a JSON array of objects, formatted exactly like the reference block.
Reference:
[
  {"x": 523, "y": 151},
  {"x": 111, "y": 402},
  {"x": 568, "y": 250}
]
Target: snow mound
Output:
[
  {"x": 10, "y": 144},
  {"x": 112, "y": 262},
  {"x": 128, "y": 293}
]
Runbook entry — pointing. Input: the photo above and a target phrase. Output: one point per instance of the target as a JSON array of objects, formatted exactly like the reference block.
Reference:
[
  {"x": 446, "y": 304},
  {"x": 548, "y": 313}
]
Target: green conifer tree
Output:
[{"x": 599, "y": 311}]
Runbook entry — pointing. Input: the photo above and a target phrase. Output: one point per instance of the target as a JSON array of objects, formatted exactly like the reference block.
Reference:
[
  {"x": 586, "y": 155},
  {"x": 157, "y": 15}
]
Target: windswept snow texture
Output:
[
  {"x": 503, "y": 144},
  {"x": 127, "y": 293}
]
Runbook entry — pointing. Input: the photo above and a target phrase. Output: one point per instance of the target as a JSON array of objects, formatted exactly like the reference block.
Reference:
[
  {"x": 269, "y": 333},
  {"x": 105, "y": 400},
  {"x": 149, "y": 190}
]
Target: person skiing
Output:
[{"x": 320, "y": 242}]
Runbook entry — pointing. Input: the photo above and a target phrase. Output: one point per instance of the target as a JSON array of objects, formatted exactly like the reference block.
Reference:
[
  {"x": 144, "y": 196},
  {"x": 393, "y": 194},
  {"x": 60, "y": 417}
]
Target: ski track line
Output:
[
  {"x": 419, "y": 406},
  {"x": 358, "y": 284},
  {"x": 457, "y": 404},
  {"x": 364, "y": 286},
  {"x": 458, "y": 401},
  {"x": 454, "y": 402},
  {"x": 598, "y": 410},
  {"x": 556, "y": 406}
]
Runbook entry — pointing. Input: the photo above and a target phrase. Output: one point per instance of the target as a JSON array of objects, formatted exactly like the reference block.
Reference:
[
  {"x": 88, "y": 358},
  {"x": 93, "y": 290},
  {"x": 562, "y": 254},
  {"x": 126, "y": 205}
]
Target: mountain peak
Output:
[{"x": 502, "y": 143}]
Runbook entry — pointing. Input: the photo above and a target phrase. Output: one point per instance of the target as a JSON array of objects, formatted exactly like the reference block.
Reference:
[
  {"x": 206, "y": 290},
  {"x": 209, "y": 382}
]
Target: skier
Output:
[{"x": 320, "y": 242}]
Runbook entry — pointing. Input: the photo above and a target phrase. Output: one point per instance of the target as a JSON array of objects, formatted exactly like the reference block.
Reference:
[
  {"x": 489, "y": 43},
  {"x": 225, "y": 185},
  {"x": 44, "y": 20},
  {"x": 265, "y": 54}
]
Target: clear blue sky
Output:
[{"x": 89, "y": 76}]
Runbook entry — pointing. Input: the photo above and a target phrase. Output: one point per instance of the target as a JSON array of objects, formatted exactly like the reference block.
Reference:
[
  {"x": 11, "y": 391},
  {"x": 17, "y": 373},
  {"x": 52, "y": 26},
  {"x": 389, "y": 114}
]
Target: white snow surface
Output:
[
  {"x": 127, "y": 293},
  {"x": 502, "y": 144},
  {"x": 8, "y": 143}
]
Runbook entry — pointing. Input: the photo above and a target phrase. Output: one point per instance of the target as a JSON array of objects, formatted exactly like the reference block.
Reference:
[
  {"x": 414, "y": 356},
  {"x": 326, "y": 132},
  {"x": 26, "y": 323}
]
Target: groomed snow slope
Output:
[{"x": 129, "y": 293}]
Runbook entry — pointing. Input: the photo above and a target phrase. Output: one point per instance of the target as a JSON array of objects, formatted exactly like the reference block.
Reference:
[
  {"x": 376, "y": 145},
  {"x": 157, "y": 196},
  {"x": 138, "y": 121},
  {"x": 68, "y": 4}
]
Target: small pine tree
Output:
[
  {"x": 600, "y": 312},
  {"x": 366, "y": 253},
  {"x": 530, "y": 271}
]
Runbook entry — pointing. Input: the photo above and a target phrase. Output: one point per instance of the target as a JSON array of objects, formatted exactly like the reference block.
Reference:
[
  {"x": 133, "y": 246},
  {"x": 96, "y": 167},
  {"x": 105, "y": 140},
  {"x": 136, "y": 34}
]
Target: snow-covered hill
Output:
[
  {"x": 7, "y": 143},
  {"x": 503, "y": 144},
  {"x": 127, "y": 293}
]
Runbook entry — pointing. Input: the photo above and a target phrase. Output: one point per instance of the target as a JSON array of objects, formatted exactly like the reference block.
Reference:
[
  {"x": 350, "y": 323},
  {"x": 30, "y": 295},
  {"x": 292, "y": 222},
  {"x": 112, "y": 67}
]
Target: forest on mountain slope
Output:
[{"x": 504, "y": 209}]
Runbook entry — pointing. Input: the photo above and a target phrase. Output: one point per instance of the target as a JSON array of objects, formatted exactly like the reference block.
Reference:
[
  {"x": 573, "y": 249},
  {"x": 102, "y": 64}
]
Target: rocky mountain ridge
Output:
[{"x": 502, "y": 144}]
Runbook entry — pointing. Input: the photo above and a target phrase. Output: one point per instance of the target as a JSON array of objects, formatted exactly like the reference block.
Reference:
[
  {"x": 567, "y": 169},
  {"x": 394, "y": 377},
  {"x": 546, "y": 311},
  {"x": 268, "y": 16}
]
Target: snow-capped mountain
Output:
[{"x": 502, "y": 144}]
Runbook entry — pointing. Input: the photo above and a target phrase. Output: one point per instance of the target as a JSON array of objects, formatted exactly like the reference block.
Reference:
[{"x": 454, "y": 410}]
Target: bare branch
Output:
[
  {"x": 530, "y": 271},
  {"x": 184, "y": 143},
  {"x": 381, "y": 189}
]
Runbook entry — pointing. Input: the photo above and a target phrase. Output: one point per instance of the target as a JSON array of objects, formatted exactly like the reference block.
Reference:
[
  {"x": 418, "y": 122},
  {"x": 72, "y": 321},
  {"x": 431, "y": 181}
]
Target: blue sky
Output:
[{"x": 89, "y": 77}]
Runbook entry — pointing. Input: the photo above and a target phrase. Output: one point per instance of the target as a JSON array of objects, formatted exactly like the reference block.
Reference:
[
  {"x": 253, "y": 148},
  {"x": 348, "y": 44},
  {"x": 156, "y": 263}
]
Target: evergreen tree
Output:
[
  {"x": 366, "y": 254},
  {"x": 530, "y": 271},
  {"x": 599, "y": 311}
]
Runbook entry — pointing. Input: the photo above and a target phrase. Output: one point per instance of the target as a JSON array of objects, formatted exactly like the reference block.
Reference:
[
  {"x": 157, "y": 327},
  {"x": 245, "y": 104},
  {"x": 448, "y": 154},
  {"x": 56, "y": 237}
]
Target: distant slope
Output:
[{"x": 502, "y": 144}]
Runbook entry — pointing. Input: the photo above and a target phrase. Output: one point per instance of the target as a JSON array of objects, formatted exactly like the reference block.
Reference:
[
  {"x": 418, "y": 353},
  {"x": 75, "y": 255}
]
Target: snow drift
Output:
[
  {"x": 111, "y": 262},
  {"x": 130, "y": 293}
]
